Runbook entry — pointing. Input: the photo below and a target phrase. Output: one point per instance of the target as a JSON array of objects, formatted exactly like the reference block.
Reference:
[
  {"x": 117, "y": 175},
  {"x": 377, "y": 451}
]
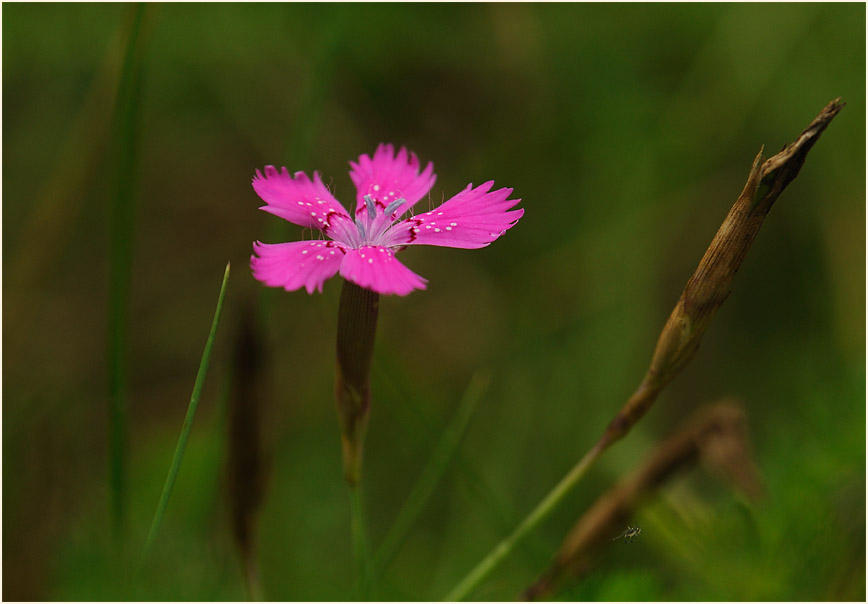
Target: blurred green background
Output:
[{"x": 627, "y": 130}]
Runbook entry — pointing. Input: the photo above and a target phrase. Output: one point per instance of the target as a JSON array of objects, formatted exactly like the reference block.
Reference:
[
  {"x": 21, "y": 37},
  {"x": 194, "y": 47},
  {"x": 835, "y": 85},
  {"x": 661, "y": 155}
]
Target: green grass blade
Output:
[
  {"x": 503, "y": 517},
  {"x": 124, "y": 148},
  {"x": 440, "y": 459},
  {"x": 188, "y": 421}
]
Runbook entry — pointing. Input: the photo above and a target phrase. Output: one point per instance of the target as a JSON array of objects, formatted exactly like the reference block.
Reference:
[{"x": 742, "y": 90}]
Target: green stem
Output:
[
  {"x": 188, "y": 422},
  {"x": 121, "y": 220},
  {"x": 360, "y": 543},
  {"x": 543, "y": 509}
]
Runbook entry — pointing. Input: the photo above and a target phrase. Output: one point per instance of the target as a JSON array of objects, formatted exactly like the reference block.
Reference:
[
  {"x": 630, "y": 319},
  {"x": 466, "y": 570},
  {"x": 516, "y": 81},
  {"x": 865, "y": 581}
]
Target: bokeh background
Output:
[{"x": 627, "y": 130}]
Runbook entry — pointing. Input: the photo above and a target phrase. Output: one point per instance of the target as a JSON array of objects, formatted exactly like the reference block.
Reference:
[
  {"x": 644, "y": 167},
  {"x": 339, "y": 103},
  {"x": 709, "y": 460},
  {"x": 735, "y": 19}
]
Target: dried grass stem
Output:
[{"x": 716, "y": 436}]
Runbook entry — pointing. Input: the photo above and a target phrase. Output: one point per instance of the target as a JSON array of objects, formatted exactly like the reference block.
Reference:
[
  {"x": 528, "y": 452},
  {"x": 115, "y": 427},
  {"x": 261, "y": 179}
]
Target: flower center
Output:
[{"x": 374, "y": 224}]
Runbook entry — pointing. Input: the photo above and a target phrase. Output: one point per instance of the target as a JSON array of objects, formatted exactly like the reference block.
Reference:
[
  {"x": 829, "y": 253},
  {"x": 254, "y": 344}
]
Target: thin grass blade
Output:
[
  {"x": 434, "y": 470},
  {"x": 124, "y": 147}
]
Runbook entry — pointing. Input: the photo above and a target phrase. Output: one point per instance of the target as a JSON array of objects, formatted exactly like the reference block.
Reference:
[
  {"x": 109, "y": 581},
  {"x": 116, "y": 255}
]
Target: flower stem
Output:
[
  {"x": 357, "y": 326},
  {"x": 360, "y": 543},
  {"x": 543, "y": 509}
]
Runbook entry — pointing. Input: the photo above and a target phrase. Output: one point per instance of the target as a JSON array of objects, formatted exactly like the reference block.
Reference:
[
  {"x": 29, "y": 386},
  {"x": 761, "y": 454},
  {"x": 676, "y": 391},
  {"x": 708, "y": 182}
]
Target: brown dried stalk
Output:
[
  {"x": 704, "y": 293},
  {"x": 716, "y": 436}
]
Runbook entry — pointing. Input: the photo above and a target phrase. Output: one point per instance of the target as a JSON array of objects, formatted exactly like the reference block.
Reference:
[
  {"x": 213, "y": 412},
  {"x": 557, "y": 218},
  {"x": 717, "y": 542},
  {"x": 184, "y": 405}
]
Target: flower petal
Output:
[
  {"x": 298, "y": 199},
  {"x": 376, "y": 268},
  {"x": 296, "y": 264},
  {"x": 472, "y": 219},
  {"x": 387, "y": 177}
]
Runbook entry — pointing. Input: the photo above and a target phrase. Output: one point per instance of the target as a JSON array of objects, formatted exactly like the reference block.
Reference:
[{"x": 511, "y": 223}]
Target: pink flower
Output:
[{"x": 363, "y": 247}]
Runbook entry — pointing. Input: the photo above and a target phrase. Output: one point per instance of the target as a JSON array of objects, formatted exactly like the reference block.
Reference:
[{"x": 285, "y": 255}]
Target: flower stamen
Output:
[
  {"x": 372, "y": 207},
  {"x": 394, "y": 206}
]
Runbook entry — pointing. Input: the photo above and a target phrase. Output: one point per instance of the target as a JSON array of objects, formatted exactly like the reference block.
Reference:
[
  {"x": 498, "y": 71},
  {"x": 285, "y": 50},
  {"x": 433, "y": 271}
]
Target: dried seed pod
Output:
[{"x": 710, "y": 284}]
